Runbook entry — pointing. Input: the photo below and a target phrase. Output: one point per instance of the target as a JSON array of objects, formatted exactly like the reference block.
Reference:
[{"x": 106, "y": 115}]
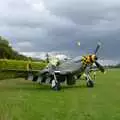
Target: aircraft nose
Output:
[{"x": 94, "y": 57}]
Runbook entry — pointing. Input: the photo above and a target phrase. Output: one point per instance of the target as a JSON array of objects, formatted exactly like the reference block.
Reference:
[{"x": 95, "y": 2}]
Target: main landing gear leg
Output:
[
  {"x": 55, "y": 83},
  {"x": 90, "y": 82}
]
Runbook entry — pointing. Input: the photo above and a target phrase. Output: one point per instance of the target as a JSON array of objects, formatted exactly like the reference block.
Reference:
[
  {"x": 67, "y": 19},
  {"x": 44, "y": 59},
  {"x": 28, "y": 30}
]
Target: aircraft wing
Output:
[
  {"x": 63, "y": 72},
  {"x": 69, "y": 67},
  {"x": 67, "y": 71}
]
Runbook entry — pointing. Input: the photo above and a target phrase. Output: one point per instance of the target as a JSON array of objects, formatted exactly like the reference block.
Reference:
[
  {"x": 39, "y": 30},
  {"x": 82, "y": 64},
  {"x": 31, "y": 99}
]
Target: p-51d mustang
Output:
[{"x": 69, "y": 71}]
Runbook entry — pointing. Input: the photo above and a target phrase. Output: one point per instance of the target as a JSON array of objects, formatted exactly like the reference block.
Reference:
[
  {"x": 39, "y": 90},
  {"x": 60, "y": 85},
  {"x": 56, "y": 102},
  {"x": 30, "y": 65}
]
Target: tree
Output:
[{"x": 6, "y": 51}]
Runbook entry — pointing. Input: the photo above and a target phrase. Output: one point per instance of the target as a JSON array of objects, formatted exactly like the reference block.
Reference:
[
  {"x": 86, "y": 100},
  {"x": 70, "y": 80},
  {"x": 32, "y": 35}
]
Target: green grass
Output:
[{"x": 24, "y": 100}]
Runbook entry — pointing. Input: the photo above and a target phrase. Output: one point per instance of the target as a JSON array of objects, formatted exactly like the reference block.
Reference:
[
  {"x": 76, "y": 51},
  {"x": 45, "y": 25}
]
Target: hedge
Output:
[{"x": 17, "y": 68}]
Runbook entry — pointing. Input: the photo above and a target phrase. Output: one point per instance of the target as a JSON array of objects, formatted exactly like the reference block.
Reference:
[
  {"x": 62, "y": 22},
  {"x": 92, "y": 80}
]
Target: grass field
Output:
[{"x": 24, "y": 100}]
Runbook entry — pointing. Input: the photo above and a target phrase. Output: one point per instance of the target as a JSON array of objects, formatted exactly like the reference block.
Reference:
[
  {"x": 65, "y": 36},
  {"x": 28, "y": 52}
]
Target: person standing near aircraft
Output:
[{"x": 29, "y": 70}]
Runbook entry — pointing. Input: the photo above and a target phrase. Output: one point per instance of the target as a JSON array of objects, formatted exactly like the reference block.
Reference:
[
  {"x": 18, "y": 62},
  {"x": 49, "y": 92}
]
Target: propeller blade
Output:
[
  {"x": 100, "y": 67},
  {"x": 97, "y": 48}
]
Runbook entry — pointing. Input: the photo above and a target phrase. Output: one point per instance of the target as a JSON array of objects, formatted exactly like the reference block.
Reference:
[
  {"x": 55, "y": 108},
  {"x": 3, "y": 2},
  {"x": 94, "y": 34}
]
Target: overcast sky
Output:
[{"x": 39, "y": 26}]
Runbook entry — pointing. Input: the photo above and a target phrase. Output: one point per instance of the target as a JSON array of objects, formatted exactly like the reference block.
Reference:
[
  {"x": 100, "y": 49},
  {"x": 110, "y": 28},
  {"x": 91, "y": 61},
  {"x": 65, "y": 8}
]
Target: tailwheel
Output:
[{"x": 90, "y": 83}]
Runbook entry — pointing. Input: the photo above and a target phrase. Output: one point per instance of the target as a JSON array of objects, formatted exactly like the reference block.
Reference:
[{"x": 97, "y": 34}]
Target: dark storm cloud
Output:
[{"x": 56, "y": 25}]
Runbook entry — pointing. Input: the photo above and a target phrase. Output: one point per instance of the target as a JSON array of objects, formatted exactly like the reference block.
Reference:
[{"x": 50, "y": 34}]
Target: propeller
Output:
[
  {"x": 99, "y": 66},
  {"x": 97, "y": 48}
]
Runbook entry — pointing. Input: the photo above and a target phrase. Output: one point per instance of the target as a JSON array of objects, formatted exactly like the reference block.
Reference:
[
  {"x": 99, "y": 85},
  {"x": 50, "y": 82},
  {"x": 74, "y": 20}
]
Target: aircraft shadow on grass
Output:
[{"x": 34, "y": 87}]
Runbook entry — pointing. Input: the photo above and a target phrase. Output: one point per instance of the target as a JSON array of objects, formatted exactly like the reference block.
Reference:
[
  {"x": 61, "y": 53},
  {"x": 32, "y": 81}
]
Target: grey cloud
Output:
[
  {"x": 81, "y": 12},
  {"x": 56, "y": 25}
]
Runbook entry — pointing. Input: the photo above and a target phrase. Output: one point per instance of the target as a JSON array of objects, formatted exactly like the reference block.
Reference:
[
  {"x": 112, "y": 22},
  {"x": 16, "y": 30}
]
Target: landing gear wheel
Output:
[
  {"x": 56, "y": 86},
  {"x": 90, "y": 83}
]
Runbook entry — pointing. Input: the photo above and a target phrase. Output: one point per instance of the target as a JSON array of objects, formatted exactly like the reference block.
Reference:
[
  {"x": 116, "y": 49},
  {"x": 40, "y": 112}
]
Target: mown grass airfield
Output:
[{"x": 25, "y": 100}]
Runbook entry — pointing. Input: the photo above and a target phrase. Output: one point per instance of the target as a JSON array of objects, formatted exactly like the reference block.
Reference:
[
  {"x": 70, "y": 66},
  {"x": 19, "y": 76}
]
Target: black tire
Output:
[
  {"x": 90, "y": 83},
  {"x": 57, "y": 87}
]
